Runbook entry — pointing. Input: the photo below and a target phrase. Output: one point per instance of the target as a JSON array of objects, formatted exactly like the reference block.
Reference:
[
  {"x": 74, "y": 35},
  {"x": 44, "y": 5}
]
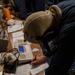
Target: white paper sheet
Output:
[
  {"x": 18, "y": 22},
  {"x": 18, "y": 25},
  {"x": 23, "y": 70},
  {"x": 17, "y": 34},
  {"x": 26, "y": 69},
  {"x": 39, "y": 68}
]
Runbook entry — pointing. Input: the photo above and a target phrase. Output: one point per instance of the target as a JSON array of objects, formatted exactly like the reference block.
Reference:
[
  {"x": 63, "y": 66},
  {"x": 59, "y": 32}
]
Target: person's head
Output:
[{"x": 43, "y": 25}]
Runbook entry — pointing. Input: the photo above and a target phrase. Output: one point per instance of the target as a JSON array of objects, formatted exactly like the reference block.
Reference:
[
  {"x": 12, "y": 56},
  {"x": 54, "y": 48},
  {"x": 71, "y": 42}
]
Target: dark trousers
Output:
[{"x": 26, "y": 6}]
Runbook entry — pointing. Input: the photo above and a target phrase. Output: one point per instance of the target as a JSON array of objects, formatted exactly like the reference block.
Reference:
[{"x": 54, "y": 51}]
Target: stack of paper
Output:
[
  {"x": 29, "y": 70},
  {"x": 18, "y": 25},
  {"x": 17, "y": 34},
  {"x": 23, "y": 70}
]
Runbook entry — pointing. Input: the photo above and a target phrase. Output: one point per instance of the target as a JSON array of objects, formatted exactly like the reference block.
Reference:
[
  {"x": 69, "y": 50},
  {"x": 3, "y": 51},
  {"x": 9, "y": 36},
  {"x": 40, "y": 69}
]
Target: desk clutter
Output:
[
  {"x": 26, "y": 55},
  {"x": 17, "y": 60},
  {"x": 15, "y": 26}
]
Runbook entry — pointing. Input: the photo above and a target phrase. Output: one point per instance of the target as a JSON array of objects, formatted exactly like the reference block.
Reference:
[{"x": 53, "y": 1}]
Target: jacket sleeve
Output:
[{"x": 53, "y": 45}]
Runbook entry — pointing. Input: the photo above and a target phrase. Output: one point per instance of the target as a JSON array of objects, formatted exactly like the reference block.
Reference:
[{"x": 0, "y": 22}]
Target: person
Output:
[
  {"x": 51, "y": 2},
  {"x": 52, "y": 45},
  {"x": 56, "y": 23},
  {"x": 23, "y": 7}
]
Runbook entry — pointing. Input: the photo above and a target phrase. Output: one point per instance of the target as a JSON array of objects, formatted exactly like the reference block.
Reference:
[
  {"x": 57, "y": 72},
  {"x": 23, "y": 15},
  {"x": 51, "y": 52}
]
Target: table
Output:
[
  {"x": 34, "y": 53},
  {"x": 39, "y": 52}
]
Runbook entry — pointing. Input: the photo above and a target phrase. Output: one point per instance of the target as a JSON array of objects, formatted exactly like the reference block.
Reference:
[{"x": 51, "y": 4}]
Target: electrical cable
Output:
[{"x": 14, "y": 51}]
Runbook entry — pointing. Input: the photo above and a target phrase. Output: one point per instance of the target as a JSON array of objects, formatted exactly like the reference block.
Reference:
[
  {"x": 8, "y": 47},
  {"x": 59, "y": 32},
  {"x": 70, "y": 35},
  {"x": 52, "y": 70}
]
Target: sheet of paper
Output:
[
  {"x": 26, "y": 69},
  {"x": 35, "y": 49},
  {"x": 17, "y": 34},
  {"x": 23, "y": 70},
  {"x": 18, "y": 25},
  {"x": 38, "y": 68},
  {"x": 14, "y": 28},
  {"x": 18, "y": 22}
]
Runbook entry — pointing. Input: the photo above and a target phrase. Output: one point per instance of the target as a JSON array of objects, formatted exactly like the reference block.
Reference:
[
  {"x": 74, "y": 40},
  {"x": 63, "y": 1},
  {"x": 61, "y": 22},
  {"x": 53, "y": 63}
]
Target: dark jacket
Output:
[
  {"x": 64, "y": 57},
  {"x": 51, "y": 2}
]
